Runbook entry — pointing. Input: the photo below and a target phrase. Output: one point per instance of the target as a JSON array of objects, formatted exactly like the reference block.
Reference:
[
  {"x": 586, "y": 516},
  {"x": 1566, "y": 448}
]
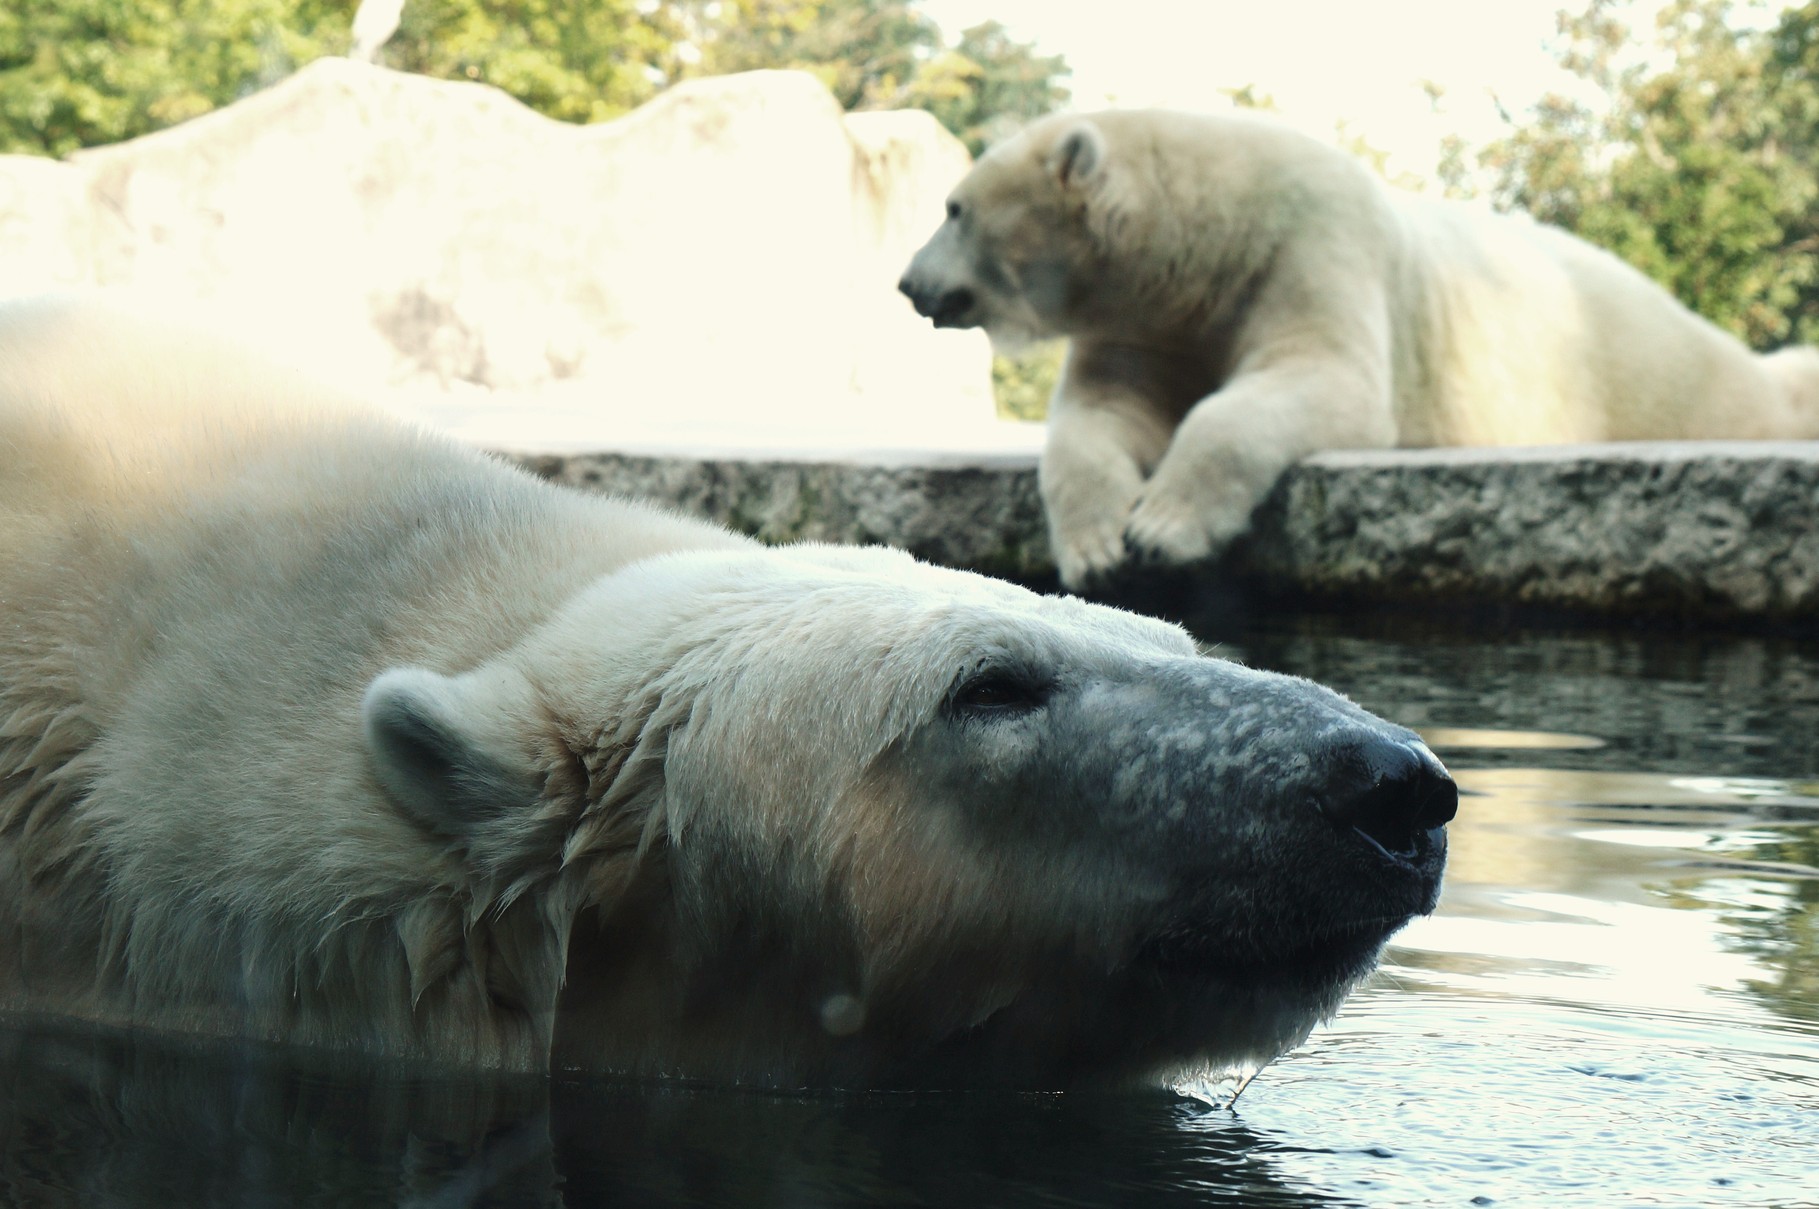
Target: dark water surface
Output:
[{"x": 1617, "y": 1004}]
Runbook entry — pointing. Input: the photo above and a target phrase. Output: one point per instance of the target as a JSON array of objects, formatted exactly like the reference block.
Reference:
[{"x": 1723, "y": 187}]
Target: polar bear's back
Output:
[
  {"x": 145, "y": 457},
  {"x": 134, "y": 429},
  {"x": 108, "y": 403},
  {"x": 1532, "y": 336}
]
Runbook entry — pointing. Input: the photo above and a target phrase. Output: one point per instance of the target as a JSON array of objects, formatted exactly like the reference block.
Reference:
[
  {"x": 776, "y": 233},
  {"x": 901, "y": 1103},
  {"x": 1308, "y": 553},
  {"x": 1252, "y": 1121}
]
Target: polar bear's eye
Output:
[
  {"x": 953, "y": 211},
  {"x": 998, "y": 693}
]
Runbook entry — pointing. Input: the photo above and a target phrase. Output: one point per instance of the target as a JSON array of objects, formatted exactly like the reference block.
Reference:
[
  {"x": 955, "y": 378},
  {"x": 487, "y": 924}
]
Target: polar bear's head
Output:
[
  {"x": 1023, "y": 240},
  {"x": 837, "y": 817}
]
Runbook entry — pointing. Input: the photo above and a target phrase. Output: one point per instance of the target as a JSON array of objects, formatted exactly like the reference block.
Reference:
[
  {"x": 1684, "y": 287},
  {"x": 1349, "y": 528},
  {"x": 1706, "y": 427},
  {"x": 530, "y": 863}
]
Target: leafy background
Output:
[{"x": 1697, "y": 160}]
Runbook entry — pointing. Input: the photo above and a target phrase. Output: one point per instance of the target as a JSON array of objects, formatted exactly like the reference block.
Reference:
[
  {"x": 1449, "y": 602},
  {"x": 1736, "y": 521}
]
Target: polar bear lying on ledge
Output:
[
  {"x": 1238, "y": 296},
  {"x": 321, "y": 730}
]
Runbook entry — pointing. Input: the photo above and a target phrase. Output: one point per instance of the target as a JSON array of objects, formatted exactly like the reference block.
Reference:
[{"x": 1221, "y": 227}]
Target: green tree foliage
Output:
[
  {"x": 575, "y": 60},
  {"x": 1022, "y": 385},
  {"x": 988, "y": 85},
  {"x": 865, "y": 51},
  {"x": 74, "y": 73},
  {"x": 881, "y": 54},
  {"x": 1699, "y": 167}
]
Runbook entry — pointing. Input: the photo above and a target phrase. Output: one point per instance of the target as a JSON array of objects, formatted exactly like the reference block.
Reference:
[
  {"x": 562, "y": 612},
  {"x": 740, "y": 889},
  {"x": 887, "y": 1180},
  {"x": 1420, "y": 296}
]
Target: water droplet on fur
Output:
[
  {"x": 842, "y": 1015},
  {"x": 1218, "y": 1088}
]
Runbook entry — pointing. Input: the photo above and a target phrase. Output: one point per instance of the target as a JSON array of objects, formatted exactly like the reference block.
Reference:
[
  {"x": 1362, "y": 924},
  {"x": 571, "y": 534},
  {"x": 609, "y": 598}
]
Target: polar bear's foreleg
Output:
[
  {"x": 1103, "y": 440},
  {"x": 1232, "y": 447}
]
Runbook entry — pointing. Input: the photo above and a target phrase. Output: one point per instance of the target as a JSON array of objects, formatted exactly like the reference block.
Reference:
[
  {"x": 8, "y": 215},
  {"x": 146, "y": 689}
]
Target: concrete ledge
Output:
[
  {"x": 1681, "y": 531},
  {"x": 979, "y": 513}
]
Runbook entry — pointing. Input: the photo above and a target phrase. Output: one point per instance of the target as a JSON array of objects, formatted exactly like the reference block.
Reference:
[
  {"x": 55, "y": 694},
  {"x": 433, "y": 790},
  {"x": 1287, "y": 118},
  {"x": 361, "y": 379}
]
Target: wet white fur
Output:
[{"x": 229, "y": 598}]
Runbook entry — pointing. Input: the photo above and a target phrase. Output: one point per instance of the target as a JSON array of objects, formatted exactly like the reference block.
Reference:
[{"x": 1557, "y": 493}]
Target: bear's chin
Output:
[{"x": 1169, "y": 1016}]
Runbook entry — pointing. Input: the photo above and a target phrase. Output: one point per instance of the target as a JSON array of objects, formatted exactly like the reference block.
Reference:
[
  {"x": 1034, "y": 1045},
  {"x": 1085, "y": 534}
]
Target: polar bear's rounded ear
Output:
[
  {"x": 438, "y": 754},
  {"x": 1078, "y": 155}
]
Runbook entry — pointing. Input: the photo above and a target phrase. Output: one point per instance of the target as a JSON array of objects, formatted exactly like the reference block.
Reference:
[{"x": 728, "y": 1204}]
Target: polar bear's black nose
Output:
[{"x": 1390, "y": 790}]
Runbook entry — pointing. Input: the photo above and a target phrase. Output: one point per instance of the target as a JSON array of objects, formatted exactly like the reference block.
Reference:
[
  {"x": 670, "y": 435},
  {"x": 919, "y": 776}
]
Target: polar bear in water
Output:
[{"x": 318, "y": 729}]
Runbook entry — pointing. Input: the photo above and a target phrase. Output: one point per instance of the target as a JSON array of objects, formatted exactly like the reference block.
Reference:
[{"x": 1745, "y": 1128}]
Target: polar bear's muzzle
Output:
[
  {"x": 1227, "y": 818},
  {"x": 1347, "y": 853},
  {"x": 944, "y": 306},
  {"x": 1210, "y": 856}
]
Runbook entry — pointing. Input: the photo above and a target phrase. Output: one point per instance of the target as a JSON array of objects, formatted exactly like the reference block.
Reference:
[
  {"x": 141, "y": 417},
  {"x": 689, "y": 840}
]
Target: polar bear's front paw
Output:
[
  {"x": 1171, "y": 529},
  {"x": 1090, "y": 554}
]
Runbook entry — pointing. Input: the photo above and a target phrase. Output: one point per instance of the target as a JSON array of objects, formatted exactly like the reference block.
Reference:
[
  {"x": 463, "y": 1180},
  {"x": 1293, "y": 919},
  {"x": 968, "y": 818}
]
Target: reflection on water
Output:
[
  {"x": 1453, "y": 738},
  {"x": 109, "y": 1124},
  {"x": 1617, "y": 1003}
]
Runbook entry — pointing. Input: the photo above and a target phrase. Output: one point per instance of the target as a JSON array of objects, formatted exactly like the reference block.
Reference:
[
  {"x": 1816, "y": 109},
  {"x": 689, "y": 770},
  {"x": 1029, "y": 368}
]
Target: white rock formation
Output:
[{"x": 721, "y": 262}]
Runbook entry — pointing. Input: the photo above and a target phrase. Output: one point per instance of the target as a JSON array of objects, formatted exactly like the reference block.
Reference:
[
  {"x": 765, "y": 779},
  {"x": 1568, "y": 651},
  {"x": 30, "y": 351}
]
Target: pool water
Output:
[{"x": 1616, "y": 1004}]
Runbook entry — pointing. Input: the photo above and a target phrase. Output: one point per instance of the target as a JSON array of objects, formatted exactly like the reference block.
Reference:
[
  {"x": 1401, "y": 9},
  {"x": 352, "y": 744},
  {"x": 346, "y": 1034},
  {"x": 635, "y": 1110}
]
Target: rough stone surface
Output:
[
  {"x": 1695, "y": 529},
  {"x": 1680, "y": 531},
  {"x": 726, "y": 255},
  {"x": 984, "y": 516}
]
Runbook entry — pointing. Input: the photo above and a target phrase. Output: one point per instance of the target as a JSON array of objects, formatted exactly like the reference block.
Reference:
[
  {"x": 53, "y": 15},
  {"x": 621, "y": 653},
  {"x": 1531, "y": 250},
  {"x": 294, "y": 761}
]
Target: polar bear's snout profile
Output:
[
  {"x": 943, "y": 303},
  {"x": 1284, "y": 816},
  {"x": 1192, "y": 861},
  {"x": 944, "y": 306}
]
